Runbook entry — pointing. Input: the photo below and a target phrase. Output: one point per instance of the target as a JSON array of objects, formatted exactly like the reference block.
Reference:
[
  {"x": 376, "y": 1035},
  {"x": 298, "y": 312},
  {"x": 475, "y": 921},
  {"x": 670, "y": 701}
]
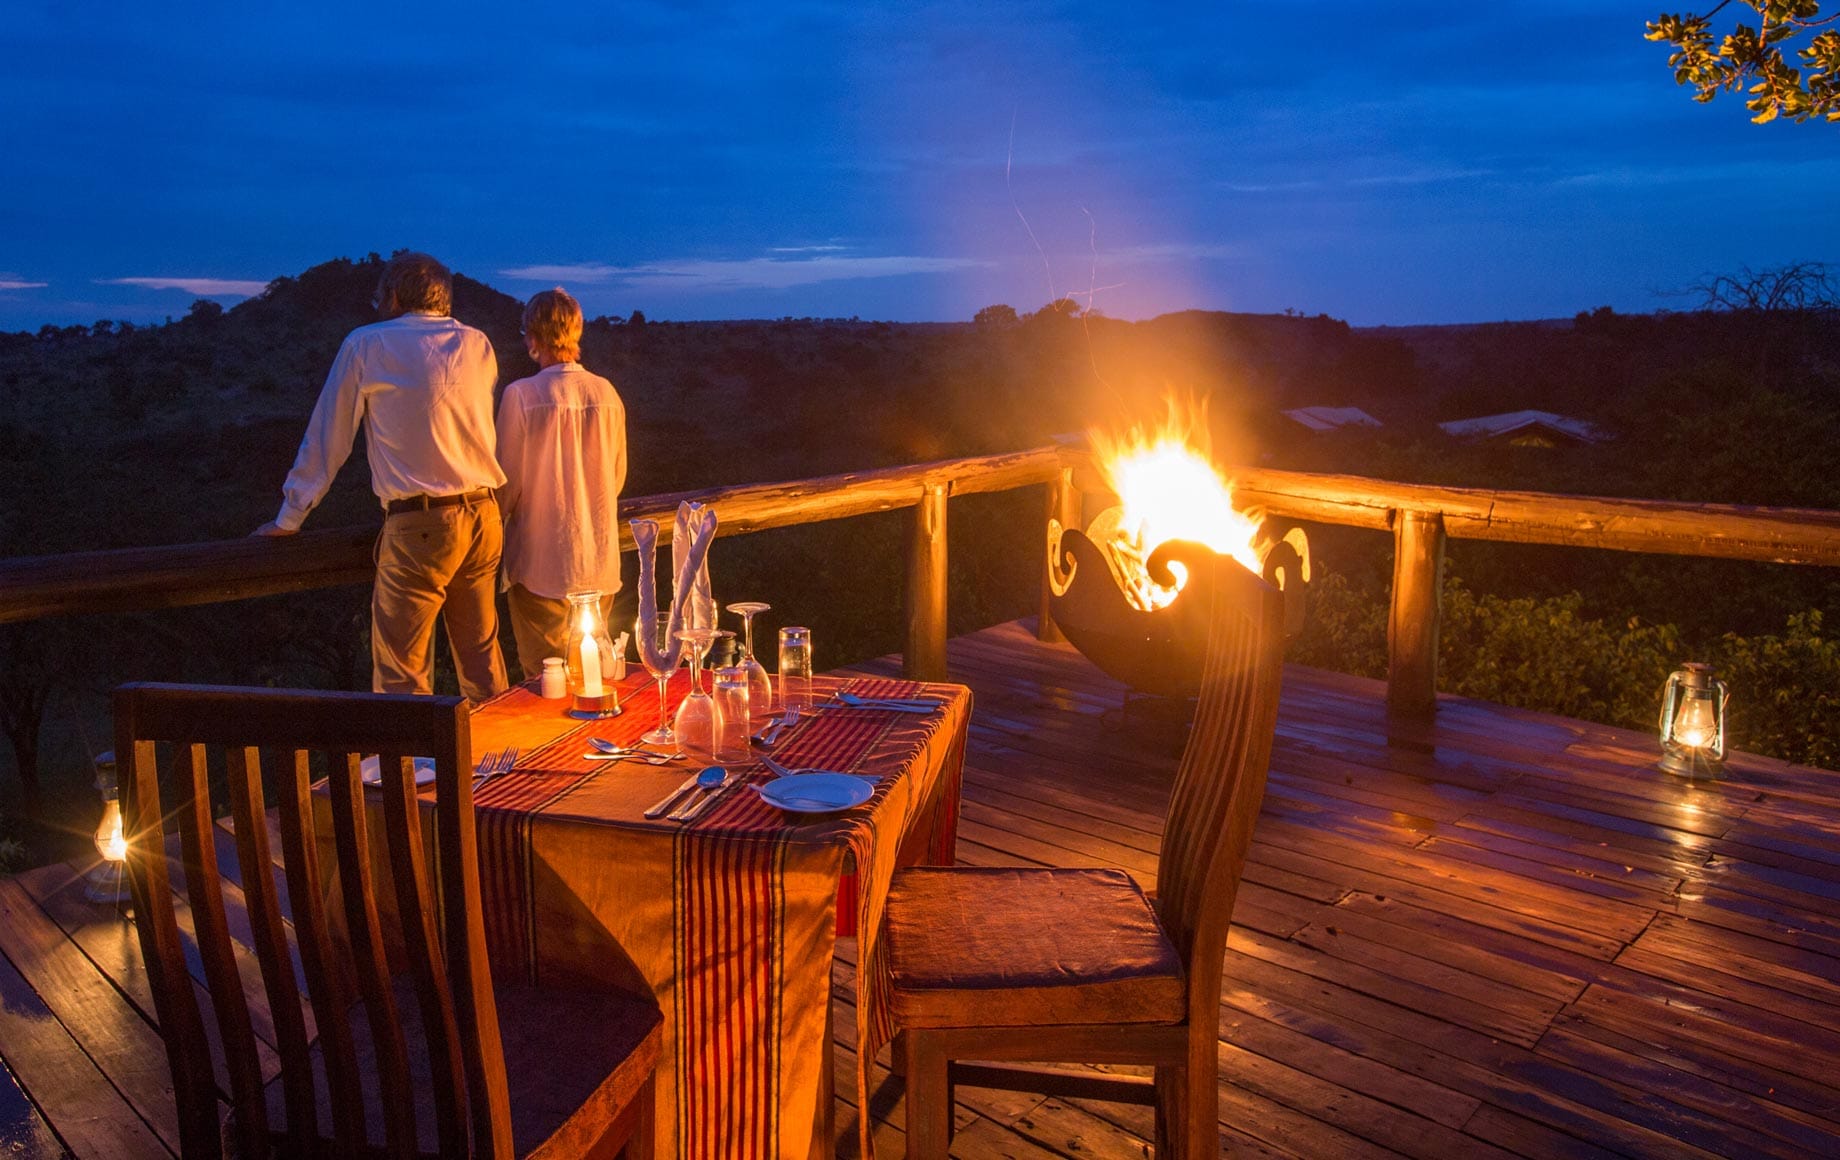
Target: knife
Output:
[
  {"x": 673, "y": 797},
  {"x": 700, "y": 806}
]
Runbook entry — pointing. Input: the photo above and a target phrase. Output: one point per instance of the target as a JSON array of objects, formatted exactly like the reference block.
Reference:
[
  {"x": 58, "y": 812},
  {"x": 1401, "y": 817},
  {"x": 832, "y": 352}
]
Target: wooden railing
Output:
[
  {"x": 171, "y": 576},
  {"x": 1420, "y": 517}
]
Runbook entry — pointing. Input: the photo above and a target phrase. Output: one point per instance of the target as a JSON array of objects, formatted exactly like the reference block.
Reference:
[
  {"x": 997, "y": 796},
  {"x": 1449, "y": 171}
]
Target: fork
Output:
[{"x": 497, "y": 766}]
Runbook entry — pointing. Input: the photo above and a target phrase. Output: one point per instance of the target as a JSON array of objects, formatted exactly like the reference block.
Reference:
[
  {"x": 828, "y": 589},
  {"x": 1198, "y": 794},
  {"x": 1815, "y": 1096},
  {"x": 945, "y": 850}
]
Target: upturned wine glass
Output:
[
  {"x": 697, "y": 719},
  {"x": 760, "y": 686},
  {"x": 655, "y": 638}
]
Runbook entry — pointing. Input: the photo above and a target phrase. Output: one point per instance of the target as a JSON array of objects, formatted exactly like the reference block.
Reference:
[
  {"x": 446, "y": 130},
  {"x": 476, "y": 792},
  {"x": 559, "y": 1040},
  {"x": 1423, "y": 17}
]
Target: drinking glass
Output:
[
  {"x": 731, "y": 696},
  {"x": 698, "y": 721},
  {"x": 658, "y": 633},
  {"x": 760, "y": 686},
  {"x": 794, "y": 669}
]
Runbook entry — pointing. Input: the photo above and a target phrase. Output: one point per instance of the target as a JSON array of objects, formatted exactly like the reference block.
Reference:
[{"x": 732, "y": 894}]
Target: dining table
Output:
[{"x": 729, "y": 919}]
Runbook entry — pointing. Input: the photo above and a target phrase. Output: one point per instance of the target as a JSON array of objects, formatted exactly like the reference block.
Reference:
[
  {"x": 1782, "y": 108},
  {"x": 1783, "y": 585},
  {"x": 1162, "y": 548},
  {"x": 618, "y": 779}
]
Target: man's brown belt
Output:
[{"x": 421, "y": 503}]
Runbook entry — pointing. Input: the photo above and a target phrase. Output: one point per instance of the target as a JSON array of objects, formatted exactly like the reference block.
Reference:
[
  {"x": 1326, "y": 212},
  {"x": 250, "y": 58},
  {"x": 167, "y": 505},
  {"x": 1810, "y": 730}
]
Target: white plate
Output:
[
  {"x": 424, "y": 771},
  {"x": 816, "y": 793}
]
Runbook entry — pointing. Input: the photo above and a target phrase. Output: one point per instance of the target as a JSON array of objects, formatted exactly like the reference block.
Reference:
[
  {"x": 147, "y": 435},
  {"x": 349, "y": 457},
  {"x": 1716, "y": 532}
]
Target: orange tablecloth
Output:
[{"x": 731, "y": 920}]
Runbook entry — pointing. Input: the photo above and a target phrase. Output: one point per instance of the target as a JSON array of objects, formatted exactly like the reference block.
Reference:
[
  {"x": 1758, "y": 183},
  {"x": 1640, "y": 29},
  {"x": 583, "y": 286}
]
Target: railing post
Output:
[
  {"x": 1412, "y": 626},
  {"x": 1063, "y": 505},
  {"x": 925, "y": 658}
]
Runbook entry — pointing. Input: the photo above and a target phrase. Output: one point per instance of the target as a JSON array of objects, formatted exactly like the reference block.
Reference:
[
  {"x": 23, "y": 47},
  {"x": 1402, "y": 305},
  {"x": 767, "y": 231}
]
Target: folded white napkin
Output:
[
  {"x": 695, "y": 529},
  {"x": 372, "y": 773}
]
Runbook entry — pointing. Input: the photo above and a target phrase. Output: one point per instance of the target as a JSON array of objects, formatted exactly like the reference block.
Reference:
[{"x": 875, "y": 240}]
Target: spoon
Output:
[
  {"x": 641, "y": 757},
  {"x": 707, "y": 779},
  {"x": 606, "y": 746}
]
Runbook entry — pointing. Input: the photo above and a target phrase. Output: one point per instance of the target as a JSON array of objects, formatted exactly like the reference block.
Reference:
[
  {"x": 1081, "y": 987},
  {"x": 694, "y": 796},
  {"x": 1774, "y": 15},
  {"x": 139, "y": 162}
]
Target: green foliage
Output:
[
  {"x": 1753, "y": 59},
  {"x": 1785, "y": 691},
  {"x": 1550, "y": 655},
  {"x": 996, "y": 317}
]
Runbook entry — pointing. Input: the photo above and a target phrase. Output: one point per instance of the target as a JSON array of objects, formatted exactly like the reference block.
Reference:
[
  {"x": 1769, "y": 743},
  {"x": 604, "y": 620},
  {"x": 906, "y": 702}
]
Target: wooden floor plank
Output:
[
  {"x": 68, "y": 1087},
  {"x": 1497, "y": 933}
]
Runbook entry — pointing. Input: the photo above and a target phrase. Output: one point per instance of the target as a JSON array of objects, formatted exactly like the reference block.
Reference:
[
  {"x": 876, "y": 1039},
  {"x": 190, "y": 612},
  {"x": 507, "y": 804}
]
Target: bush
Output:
[{"x": 1546, "y": 655}]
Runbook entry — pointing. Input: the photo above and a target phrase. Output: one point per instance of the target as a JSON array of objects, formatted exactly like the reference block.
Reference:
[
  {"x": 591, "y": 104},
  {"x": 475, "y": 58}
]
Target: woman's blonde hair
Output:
[{"x": 552, "y": 319}]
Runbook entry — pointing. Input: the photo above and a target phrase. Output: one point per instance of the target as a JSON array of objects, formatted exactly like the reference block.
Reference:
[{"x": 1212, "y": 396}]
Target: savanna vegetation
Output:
[{"x": 118, "y": 435}]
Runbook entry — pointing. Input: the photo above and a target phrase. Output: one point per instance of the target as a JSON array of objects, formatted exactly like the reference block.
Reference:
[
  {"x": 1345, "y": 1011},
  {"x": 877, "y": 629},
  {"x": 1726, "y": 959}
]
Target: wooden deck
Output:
[{"x": 1505, "y": 935}]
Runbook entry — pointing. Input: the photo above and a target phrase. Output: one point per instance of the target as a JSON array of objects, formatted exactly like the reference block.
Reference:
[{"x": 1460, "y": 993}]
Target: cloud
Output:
[
  {"x": 11, "y": 281},
  {"x": 744, "y": 273},
  {"x": 202, "y": 287}
]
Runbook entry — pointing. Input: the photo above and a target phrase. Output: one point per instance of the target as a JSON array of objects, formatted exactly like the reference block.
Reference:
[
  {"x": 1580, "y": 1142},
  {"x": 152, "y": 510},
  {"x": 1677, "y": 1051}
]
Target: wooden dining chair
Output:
[
  {"x": 1050, "y": 965},
  {"x": 428, "y": 1059}
]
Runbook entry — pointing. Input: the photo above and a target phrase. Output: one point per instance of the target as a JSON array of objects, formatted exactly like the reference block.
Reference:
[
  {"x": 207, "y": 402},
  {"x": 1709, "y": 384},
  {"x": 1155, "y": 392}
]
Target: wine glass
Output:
[
  {"x": 697, "y": 720},
  {"x": 760, "y": 686},
  {"x": 658, "y": 638}
]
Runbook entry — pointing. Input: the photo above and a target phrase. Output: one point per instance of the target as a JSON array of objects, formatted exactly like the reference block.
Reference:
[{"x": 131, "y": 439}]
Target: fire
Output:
[{"x": 1168, "y": 489}]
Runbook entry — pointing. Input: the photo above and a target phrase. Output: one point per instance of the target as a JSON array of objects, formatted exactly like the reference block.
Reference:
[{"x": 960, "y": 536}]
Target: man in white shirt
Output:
[
  {"x": 420, "y": 384},
  {"x": 562, "y": 444}
]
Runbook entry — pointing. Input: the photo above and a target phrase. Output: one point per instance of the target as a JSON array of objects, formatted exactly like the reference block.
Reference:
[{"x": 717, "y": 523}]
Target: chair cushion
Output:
[
  {"x": 1009, "y": 947},
  {"x": 565, "y": 1051}
]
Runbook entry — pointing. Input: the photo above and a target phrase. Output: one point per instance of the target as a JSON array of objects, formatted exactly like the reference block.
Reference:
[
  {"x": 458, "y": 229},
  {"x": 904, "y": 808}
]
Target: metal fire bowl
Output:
[{"x": 1158, "y": 652}]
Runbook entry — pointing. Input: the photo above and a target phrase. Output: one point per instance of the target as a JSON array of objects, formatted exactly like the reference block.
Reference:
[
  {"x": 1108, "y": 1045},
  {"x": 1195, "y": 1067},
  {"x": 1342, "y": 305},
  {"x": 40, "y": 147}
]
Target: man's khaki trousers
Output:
[{"x": 439, "y": 562}]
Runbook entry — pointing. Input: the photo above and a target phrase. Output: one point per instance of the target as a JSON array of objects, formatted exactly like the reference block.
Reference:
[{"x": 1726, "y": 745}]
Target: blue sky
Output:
[{"x": 1412, "y": 162}]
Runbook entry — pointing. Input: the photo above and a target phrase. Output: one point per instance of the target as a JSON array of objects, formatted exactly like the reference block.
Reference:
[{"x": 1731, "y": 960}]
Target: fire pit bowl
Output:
[{"x": 1158, "y": 652}]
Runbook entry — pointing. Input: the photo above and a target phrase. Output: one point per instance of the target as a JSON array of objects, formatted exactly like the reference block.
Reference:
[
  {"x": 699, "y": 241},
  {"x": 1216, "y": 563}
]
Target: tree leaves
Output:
[{"x": 1755, "y": 59}]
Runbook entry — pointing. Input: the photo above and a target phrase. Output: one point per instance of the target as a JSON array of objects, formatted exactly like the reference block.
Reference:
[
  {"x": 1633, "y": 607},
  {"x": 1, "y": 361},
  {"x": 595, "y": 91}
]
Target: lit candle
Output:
[{"x": 590, "y": 661}]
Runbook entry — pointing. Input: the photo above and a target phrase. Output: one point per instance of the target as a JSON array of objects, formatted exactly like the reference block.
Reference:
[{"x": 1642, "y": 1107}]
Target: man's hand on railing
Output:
[{"x": 271, "y": 528}]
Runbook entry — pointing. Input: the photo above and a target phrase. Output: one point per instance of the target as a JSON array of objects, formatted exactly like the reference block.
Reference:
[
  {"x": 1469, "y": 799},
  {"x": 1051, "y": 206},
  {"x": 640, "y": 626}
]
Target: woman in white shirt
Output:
[{"x": 562, "y": 444}]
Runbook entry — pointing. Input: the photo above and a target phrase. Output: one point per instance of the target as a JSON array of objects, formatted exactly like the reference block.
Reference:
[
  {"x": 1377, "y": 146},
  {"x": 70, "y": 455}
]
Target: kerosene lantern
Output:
[
  {"x": 105, "y": 883},
  {"x": 1693, "y": 722}
]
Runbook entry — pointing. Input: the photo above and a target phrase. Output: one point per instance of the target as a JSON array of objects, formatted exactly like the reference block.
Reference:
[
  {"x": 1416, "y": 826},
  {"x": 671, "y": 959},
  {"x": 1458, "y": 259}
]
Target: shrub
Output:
[{"x": 1546, "y": 655}]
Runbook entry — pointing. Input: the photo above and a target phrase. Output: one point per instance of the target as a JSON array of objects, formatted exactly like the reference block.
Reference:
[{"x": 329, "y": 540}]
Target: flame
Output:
[
  {"x": 1168, "y": 489},
  {"x": 111, "y": 843}
]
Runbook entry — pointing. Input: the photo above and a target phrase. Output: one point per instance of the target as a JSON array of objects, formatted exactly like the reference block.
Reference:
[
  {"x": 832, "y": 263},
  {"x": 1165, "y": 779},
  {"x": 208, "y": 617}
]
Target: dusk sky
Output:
[{"x": 1400, "y": 163}]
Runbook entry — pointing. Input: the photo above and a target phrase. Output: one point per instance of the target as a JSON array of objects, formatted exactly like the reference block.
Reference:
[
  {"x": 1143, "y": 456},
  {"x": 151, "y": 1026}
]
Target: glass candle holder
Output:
[{"x": 590, "y": 659}]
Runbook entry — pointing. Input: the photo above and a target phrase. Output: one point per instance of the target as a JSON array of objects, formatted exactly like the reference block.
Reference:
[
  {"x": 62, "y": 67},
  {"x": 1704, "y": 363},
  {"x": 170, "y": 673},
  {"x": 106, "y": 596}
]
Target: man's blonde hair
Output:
[{"x": 552, "y": 319}]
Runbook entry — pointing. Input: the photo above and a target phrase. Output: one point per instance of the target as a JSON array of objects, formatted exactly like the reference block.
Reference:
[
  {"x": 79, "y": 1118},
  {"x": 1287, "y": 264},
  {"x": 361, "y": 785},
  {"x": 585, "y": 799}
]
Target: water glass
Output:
[
  {"x": 731, "y": 715},
  {"x": 794, "y": 669}
]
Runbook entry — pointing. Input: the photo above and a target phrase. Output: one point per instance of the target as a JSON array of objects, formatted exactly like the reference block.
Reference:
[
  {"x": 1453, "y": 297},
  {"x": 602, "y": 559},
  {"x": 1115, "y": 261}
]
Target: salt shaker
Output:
[{"x": 555, "y": 683}]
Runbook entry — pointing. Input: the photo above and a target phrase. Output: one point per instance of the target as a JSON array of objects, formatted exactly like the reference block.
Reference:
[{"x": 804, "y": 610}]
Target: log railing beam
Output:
[
  {"x": 1412, "y": 625},
  {"x": 925, "y": 656},
  {"x": 176, "y": 575}
]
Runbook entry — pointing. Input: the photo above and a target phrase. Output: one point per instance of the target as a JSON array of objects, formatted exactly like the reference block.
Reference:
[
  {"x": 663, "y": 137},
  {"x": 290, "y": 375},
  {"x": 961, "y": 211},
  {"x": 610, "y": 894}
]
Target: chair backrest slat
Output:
[
  {"x": 364, "y": 932},
  {"x": 204, "y": 892},
  {"x": 1221, "y": 781},
  {"x": 468, "y": 969},
  {"x": 421, "y": 943},
  {"x": 328, "y": 988},
  {"x": 175, "y": 1003},
  {"x": 345, "y": 950},
  {"x": 243, "y": 769}
]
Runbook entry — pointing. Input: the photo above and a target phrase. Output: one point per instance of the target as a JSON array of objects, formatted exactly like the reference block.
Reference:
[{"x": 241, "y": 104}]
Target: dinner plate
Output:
[
  {"x": 372, "y": 775},
  {"x": 816, "y": 793}
]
